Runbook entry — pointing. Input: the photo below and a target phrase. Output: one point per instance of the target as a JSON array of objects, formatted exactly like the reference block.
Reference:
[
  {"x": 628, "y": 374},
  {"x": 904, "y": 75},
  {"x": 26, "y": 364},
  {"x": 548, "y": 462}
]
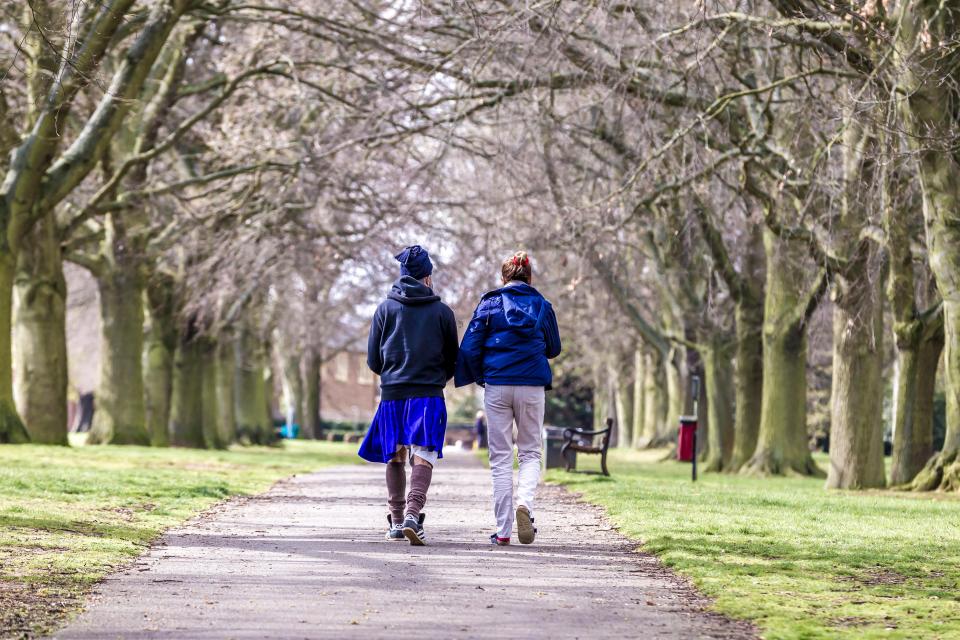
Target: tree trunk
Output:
[
  {"x": 621, "y": 408},
  {"x": 209, "y": 407},
  {"x": 914, "y": 382},
  {"x": 252, "y": 416},
  {"x": 186, "y": 405},
  {"x": 918, "y": 338},
  {"x": 929, "y": 85},
  {"x": 856, "y": 406},
  {"x": 120, "y": 416},
  {"x": 942, "y": 471},
  {"x": 782, "y": 438},
  {"x": 226, "y": 369},
  {"x": 311, "y": 395},
  {"x": 856, "y": 398},
  {"x": 40, "y": 336},
  {"x": 675, "y": 370},
  {"x": 639, "y": 411},
  {"x": 656, "y": 405},
  {"x": 718, "y": 371},
  {"x": 293, "y": 387},
  {"x": 158, "y": 352},
  {"x": 12, "y": 430},
  {"x": 748, "y": 382},
  {"x": 601, "y": 401}
]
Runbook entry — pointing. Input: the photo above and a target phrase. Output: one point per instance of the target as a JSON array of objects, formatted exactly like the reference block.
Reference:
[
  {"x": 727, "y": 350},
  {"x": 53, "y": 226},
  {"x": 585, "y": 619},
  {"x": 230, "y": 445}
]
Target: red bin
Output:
[{"x": 687, "y": 438}]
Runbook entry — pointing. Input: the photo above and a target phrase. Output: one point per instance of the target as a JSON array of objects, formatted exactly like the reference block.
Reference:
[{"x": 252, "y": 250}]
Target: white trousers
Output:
[{"x": 505, "y": 405}]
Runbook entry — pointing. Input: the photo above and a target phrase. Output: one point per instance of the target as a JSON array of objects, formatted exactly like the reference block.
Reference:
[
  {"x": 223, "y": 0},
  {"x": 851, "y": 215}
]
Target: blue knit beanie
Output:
[{"x": 415, "y": 262}]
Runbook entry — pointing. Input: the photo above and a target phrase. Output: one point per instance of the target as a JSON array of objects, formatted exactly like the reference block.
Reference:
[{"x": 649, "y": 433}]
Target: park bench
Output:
[{"x": 583, "y": 441}]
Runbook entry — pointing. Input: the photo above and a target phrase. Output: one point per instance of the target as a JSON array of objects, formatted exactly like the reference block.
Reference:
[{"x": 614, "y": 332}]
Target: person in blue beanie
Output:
[
  {"x": 413, "y": 348},
  {"x": 506, "y": 349}
]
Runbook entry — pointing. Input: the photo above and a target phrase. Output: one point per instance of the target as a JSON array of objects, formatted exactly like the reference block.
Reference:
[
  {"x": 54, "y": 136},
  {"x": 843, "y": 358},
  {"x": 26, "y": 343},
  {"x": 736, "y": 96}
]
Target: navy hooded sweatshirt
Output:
[
  {"x": 510, "y": 338},
  {"x": 413, "y": 342}
]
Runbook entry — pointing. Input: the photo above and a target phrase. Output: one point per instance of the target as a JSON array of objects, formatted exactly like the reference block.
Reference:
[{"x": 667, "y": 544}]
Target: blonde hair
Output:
[{"x": 517, "y": 267}]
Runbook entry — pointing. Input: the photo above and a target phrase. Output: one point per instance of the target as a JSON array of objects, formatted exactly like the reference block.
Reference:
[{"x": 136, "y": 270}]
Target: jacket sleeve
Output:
[
  {"x": 450, "y": 348},
  {"x": 470, "y": 360},
  {"x": 374, "y": 354},
  {"x": 551, "y": 332}
]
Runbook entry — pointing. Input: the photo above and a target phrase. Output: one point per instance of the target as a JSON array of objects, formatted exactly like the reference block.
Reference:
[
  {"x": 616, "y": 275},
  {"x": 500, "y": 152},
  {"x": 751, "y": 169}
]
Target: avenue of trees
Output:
[{"x": 724, "y": 189}]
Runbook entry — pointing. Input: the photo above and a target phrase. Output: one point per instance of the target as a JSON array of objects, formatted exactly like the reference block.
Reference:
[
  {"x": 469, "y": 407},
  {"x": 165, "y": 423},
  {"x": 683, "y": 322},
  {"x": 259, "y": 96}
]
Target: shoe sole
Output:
[
  {"x": 414, "y": 539},
  {"x": 525, "y": 531}
]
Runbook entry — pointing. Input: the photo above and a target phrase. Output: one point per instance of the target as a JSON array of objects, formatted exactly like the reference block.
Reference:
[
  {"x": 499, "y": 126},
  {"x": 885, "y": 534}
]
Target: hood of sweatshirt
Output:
[{"x": 408, "y": 290}]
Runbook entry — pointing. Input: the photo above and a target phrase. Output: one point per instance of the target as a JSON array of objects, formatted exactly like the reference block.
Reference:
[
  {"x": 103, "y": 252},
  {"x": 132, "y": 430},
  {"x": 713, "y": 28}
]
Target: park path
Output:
[{"x": 308, "y": 560}]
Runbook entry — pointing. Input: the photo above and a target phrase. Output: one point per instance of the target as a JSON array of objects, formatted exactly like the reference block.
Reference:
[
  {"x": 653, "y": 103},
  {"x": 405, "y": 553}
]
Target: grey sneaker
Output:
[
  {"x": 497, "y": 540},
  {"x": 394, "y": 531},
  {"x": 526, "y": 532},
  {"x": 413, "y": 530}
]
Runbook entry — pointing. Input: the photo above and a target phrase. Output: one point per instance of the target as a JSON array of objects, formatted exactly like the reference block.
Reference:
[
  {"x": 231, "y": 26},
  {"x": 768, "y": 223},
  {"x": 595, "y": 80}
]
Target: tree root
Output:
[
  {"x": 713, "y": 464},
  {"x": 765, "y": 463},
  {"x": 941, "y": 473},
  {"x": 12, "y": 430}
]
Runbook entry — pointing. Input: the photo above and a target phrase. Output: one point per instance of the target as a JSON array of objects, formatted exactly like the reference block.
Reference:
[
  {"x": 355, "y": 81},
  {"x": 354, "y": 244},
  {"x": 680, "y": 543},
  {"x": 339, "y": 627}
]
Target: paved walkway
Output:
[{"x": 308, "y": 560}]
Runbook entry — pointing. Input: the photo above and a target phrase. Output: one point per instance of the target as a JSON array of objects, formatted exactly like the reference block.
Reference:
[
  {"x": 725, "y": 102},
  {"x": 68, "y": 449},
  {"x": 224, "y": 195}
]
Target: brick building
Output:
[{"x": 349, "y": 391}]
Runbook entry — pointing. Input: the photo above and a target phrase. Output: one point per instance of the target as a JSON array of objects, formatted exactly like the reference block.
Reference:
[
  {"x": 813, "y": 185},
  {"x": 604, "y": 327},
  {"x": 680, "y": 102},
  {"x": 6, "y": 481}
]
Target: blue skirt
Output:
[{"x": 420, "y": 421}]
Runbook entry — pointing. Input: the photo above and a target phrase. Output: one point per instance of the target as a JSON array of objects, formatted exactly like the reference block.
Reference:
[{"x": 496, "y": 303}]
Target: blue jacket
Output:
[
  {"x": 510, "y": 338},
  {"x": 413, "y": 342}
]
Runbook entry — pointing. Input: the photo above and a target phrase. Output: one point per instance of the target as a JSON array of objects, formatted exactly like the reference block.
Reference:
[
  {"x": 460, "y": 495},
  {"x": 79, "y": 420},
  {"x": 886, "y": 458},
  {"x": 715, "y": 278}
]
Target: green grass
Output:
[
  {"x": 799, "y": 561},
  {"x": 69, "y": 516}
]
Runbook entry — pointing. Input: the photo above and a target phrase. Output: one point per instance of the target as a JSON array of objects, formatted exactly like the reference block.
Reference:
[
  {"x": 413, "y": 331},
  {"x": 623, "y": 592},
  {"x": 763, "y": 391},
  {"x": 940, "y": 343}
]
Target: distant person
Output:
[
  {"x": 413, "y": 348},
  {"x": 481, "y": 428},
  {"x": 505, "y": 349}
]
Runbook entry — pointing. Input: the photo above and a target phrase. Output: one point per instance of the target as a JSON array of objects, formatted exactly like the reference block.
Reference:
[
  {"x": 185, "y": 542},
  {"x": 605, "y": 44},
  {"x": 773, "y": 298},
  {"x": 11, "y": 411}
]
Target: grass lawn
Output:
[
  {"x": 800, "y": 561},
  {"x": 69, "y": 516}
]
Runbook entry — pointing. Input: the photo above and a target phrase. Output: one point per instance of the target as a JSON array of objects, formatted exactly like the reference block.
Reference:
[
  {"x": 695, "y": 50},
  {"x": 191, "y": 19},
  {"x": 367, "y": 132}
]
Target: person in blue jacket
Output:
[
  {"x": 506, "y": 348},
  {"x": 413, "y": 348}
]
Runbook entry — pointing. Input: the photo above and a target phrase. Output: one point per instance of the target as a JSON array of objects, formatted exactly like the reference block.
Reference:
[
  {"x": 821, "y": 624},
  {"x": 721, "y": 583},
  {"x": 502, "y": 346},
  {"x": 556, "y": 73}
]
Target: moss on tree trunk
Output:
[
  {"x": 311, "y": 395},
  {"x": 209, "y": 401},
  {"x": 186, "y": 406},
  {"x": 40, "y": 336},
  {"x": 252, "y": 417},
  {"x": 225, "y": 374},
  {"x": 637, "y": 415},
  {"x": 158, "y": 382},
  {"x": 12, "y": 430},
  {"x": 782, "y": 438},
  {"x": 120, "y": 416},
  {"x": 160, "y": 339},
  {"x": 748, "y": 382},
  {"x": 718, "y": 371}
]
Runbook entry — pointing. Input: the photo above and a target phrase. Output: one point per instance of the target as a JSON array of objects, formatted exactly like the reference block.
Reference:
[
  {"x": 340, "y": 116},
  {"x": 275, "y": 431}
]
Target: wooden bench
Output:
[{"x": 583, "y": 441}]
